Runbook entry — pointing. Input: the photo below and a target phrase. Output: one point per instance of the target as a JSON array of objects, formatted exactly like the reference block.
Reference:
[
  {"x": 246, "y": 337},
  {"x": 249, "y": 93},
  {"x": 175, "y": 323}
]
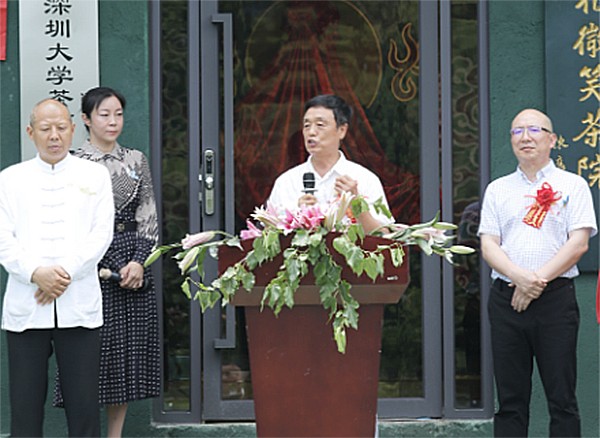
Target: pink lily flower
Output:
[
  {"x": 190, "y": 241},
  {"x": 288, "y": 223},
  {"x": 311, "y": 217},
  {"x": 267, "y": 216},
  {"x": 251, "y": 232},
  {"x": 307, "y": 218}
]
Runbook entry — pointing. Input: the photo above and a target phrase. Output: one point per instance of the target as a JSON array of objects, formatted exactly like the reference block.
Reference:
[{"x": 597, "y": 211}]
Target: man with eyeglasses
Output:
[{"x": 535, "y": 226}]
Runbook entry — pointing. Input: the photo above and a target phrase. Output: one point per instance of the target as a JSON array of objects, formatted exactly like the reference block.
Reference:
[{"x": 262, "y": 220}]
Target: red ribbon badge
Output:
[{"x": 545, "y": 198}]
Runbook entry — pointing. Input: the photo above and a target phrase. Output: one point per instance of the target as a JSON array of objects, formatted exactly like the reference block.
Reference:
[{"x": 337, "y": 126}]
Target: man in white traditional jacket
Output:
[{"x": 56, "y": 222}]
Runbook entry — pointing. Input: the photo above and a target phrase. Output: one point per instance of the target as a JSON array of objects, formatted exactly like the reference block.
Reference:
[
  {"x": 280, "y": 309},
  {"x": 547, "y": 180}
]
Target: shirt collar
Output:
[
  {"x": 545, "y": 171},
  {"x": 57, "y": 167},
  {"x": 96, "y": 154},
  {"x": 338, "y": 167}
]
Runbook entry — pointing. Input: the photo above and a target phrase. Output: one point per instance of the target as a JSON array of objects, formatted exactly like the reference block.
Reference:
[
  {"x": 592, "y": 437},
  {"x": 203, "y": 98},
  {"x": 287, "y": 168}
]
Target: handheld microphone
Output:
[
  {"x": 107, "y": 274},
  {"x": 308, "y": 179}
]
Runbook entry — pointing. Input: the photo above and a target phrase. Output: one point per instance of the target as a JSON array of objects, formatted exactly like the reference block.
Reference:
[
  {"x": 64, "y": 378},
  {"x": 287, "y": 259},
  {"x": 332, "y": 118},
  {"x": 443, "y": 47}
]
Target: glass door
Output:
[{"x": 259, "y": 62}]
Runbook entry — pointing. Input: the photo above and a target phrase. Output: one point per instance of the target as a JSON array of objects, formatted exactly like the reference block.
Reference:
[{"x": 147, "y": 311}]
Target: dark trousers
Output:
[
  {"x": 78, "y": 356},
  {"x": 547, "y": 330}
]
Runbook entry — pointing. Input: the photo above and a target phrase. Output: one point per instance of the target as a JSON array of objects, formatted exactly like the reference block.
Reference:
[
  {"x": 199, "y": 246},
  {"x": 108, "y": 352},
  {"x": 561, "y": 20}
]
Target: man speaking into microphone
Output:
[{"x": 327, "y": 173}]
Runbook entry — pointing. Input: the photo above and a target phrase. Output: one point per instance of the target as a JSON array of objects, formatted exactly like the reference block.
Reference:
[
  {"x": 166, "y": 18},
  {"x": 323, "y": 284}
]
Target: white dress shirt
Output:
[
  {"x": 289, "y": 186},
  {"x": 508, "y": 199},
  {"x": 58, "y": 214}
]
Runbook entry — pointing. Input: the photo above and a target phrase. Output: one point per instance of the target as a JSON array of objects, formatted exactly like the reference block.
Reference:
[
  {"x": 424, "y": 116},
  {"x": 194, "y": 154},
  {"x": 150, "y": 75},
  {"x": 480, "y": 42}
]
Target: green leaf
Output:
[
  {"x": 259, "y": 254},
  {"x": 397, "y": 255},
  {"x": 228, "y": 282},
  {"x": 155, "y": 255},
  {"x": 301, "y": 238},
  {"x": 251, "y": 260},
  {"x": 355, "y": 259},
  {"x": 185, "y": 287},
  {"x": 288, "y": 294},
  {"x": 355, "y": 232},
  {"x": 315, "y": 239},
  {"x": 374, "y": 266},
  {"x": 342, "y": 245},
  {"x": 330, "y": 303},
  {"x": 370, "y": 266},
  {"x": 271, "y": 294},
  {"x": 200, "y": 261},
  {"x": 314, "y": 253},
  {"x": 320, "y": 269},
  {"x": 359, "y": 206},
  {"x": 380, "y": 207},
  {"x": 351, "y": 316},
  {"x": 327, "y": 290},
  {"x": 334, "y": 271},
  {"x": 339, "y": 332},
  {"x": 248, "y": 280},
  {"x": 207, "y": 299},
  {"x": 344, "y": 294},
  {"x": 272, "y": 246},
  {"x": 292, "y": 269}
]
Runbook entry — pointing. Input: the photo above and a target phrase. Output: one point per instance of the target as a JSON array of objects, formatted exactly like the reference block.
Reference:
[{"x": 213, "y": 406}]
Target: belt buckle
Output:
[{"x": 120, "y": 227}]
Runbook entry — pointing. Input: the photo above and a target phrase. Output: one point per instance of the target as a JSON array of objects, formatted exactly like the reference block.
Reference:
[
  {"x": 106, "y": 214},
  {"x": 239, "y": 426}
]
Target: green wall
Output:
[
  {"x": 10, "y": 148},
  {"x": 9, "y": 154},
  {"x": 125, "y": 64},
  {"x": 516, "y": 71}
]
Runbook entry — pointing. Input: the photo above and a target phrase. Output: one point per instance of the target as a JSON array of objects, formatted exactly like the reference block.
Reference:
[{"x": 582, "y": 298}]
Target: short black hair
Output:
[
  {"x": 95, "y": 96},
  {"x": 342, "y": 112}
]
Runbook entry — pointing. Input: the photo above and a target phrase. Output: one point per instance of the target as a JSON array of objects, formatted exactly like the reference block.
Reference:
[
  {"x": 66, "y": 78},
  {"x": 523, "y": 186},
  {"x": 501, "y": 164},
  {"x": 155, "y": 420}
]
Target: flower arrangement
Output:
[{"x": 308, "y": 227}]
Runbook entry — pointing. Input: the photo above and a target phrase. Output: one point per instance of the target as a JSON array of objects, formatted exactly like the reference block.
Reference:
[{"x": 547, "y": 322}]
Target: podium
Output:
[{"x": 303, "y": 387}]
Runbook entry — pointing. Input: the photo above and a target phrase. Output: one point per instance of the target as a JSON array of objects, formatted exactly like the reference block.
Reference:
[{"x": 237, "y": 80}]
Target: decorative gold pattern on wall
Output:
[{"x": 404, "y": 86}]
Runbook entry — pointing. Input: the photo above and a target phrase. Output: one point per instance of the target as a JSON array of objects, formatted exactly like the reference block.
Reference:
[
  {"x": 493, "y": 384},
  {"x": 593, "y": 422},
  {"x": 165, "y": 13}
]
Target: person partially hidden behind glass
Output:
[{"x": 327, "y": 173}]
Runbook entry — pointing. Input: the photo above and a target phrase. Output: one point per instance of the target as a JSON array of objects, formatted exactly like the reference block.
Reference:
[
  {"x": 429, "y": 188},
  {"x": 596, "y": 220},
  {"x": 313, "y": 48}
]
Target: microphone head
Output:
[
  {"x": 107, "y": 274},
  {"x": 308, "y": 179},
  {"x": 104, "y": 274}
]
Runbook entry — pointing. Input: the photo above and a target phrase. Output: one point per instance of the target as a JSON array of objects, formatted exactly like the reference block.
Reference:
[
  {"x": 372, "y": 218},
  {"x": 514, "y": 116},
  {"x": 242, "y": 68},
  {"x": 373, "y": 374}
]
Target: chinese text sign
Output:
[{"x": 58, "y": 46}]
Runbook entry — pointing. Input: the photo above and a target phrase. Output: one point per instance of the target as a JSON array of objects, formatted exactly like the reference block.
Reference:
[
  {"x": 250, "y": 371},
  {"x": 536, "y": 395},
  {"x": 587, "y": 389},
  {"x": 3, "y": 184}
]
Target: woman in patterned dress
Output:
[{"x": 130, "y": 354}]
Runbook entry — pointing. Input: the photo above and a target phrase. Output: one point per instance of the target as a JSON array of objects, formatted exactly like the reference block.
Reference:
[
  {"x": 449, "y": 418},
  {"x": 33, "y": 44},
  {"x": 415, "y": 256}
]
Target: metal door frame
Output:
[
  {"x": 214, "y": 407},
  {"x": 207, "y": 113}
]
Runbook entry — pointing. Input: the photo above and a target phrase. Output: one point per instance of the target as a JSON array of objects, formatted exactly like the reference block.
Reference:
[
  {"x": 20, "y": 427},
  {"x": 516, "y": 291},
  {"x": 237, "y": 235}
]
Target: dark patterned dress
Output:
[{"x": 130, "y": 356}]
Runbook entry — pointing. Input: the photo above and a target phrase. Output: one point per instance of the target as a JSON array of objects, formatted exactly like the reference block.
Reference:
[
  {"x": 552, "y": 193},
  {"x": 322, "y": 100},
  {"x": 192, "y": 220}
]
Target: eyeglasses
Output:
[{"x": 532, "y": 130}]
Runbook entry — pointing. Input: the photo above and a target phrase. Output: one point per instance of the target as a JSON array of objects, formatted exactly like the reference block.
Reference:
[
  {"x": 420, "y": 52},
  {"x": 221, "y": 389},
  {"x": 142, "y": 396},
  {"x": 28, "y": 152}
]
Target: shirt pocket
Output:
[{"x": 556, "y": 218}]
